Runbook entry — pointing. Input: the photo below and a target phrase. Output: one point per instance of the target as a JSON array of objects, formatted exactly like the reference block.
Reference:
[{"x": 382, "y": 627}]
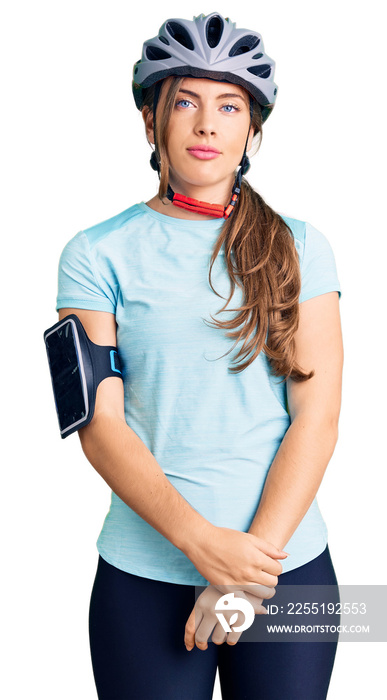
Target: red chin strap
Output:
[{"x": 216, "y": 210}]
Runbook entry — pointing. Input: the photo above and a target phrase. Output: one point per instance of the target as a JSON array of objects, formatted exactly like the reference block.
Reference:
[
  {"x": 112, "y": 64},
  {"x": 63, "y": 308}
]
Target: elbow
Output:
[
  {"x": 329, "y": 427},
  {"x": 333, "y": 436},
  {"x": 332, "y": 426},
  {"x": 324, "y": 426},
  {"x": 93, "y": 436},
  {"x": 330, "y": 433},
  {"x": 88, "y": 436}
]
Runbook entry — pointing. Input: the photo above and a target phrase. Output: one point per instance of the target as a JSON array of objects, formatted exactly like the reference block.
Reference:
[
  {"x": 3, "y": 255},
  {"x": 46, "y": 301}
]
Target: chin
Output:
[
  {"x": 187, "y": 187},
  {"x": 193, "y": 178}
]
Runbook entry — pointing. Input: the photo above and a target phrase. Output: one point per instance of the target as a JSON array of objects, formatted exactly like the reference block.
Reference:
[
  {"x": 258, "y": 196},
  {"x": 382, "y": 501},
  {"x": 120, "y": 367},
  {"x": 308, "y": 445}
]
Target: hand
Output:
[
  {"x": 203, "y": 619},
  {"x": 230, "y": 557}
]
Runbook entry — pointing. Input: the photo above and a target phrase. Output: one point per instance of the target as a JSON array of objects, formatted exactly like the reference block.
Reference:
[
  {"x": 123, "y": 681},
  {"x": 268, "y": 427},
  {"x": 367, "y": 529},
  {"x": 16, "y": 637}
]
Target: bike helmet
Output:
[{"x": 207, "y": 47}]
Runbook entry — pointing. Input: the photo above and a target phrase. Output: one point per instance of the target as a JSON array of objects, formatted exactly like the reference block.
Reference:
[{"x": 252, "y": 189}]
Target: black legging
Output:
[{"x": 136, "y": 628}]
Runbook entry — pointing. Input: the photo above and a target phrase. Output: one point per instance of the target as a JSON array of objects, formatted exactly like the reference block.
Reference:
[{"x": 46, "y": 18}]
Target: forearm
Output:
[
  {"x": 133, "y": 473},
  {"x": 294, "y": 478}
]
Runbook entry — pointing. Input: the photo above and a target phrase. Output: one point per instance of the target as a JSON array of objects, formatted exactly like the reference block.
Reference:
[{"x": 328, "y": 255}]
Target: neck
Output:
[
  {"x": 219, "y": 193},
  {"x": 170, "y": 209}
]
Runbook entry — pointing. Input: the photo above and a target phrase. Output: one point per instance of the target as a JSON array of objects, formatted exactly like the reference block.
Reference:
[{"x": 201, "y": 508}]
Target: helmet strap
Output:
[
  {"x": 196, "y": 205},
  {"x": 155, "y": 157}
]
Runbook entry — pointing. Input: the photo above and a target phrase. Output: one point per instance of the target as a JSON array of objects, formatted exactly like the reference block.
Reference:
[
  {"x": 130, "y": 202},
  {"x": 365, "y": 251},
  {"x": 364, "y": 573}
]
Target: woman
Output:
[{"x": 213, "y": 468}]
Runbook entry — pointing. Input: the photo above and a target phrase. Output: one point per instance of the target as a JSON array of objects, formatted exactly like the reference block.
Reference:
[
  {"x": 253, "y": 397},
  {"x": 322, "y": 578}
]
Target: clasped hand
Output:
[
  {"x": 203, "y": 620},
  {"x": 223, "y": 553}
]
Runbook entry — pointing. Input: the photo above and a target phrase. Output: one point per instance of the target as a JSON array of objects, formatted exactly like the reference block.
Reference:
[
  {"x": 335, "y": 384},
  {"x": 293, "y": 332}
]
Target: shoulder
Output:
[
  {"x": 108, "y": 228},
  {"x": 317, "y": 259},
  {"x": 111, "y": 231},
  {"x": 88, "y": 263},
  {"x": 307, "y": 238},
  {"x": 297, "y": 227}
]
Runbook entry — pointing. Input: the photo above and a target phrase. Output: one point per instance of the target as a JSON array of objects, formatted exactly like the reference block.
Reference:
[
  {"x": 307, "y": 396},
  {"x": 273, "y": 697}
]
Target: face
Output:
[{"x": 207, "y": 133}]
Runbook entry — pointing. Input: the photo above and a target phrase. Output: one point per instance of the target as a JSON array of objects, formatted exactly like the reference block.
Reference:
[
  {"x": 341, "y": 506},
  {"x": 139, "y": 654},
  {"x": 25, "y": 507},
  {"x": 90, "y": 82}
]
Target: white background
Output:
[{"x": 73, "y": 154}]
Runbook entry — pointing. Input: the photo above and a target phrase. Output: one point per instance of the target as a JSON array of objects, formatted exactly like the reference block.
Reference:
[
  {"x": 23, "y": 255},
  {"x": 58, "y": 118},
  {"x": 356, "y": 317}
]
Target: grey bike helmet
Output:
[{"x": 207, "y": 47}]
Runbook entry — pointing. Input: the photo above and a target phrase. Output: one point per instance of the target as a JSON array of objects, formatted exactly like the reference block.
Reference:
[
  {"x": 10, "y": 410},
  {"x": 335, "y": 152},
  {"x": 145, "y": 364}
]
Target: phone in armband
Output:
[{"x": 77, "y": 366}]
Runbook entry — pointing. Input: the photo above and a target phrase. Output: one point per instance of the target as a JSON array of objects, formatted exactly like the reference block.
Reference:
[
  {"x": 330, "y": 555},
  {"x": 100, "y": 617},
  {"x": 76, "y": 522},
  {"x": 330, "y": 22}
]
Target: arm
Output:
[
  {"x": 120, "y": 456},
  {"x": 297, "y": 470}
]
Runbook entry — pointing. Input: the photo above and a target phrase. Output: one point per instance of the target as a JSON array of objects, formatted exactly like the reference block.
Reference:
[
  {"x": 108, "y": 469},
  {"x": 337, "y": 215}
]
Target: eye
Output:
[
  {"x": 230, "y": 108},
  {"x": 183, "y": 103}
]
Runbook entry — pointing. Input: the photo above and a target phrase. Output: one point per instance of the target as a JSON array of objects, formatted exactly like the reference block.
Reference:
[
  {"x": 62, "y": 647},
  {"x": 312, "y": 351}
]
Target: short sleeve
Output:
[
  {"x": 79, "y": 284},
  {"x": 318, "y": 266}
]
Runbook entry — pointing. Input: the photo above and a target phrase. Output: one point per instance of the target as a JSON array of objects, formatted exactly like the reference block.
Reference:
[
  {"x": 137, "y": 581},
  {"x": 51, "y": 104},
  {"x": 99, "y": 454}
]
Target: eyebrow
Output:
[{"x": 219, "y": 97}]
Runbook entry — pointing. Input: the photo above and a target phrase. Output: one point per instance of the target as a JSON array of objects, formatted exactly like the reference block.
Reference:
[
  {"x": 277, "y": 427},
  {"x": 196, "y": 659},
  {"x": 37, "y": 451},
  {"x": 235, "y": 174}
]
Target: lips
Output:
[
  {"x": 203, "y": 147},
  {"x": 203, "y": 152}
]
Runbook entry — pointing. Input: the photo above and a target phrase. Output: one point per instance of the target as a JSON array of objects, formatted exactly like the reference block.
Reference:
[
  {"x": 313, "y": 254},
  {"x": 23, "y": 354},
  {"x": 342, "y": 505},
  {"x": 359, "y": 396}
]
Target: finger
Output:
[
  {"x": 253, "y": 587},
  {"x": 259, "y": 590},
  {"x": 264, "y": 578},
  {"x": 270, "y": 565},
  {"x": 204, "y": 630},
  {"x": 233, "y": 637},
  {"x": 266, "y": 571},
  {"x": 271, "y": 550},
  {"x": 219, "y": 636},
  {"x": 259, "y": 609},
  {"x": 191, "y": 627}
]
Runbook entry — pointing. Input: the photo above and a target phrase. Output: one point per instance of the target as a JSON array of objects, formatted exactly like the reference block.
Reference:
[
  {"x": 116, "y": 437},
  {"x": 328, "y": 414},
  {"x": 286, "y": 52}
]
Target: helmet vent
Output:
[
  {"x": 154, "y": 53},
  {"x": 243, "y": 45},
  {"x": 164, "y": 40},
  {"x": 180, "y": 34},
  {"x": 214, "y": 31},
  {"x": 258, "y": 55},
  {"x": 261, "y": 71}
]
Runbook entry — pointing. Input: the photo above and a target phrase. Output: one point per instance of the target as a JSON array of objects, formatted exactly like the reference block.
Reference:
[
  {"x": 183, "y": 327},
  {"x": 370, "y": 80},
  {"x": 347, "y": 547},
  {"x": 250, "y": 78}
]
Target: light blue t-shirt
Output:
[{"x": 214, "y": 433}]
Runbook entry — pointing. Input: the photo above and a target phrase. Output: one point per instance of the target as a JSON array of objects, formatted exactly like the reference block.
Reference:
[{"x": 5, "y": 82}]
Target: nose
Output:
[{"x": 205, "y": 125}]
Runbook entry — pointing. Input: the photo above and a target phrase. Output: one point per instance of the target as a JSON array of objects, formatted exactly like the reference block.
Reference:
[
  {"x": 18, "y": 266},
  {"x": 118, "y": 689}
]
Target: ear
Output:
[{"x": 147, "y": 116}]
